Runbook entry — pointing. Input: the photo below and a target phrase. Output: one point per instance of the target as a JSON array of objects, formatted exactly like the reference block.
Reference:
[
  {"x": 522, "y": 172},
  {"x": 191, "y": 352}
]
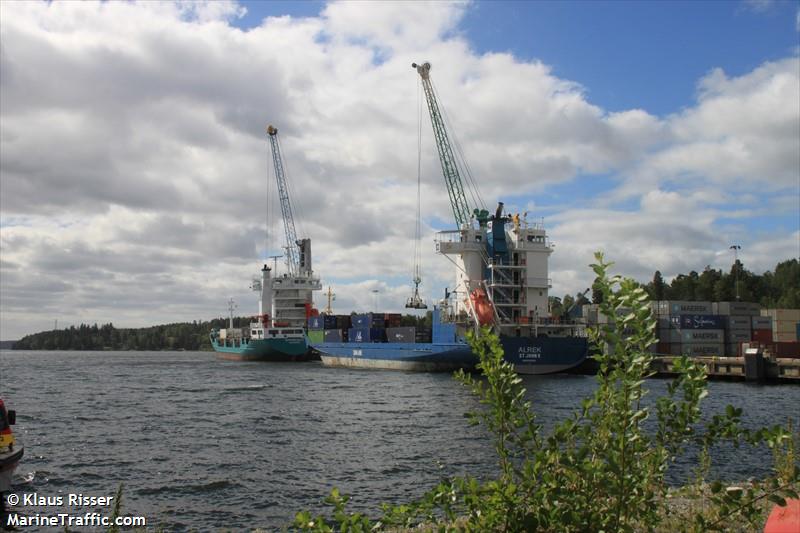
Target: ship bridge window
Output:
[{"x": 273, "y": 332}]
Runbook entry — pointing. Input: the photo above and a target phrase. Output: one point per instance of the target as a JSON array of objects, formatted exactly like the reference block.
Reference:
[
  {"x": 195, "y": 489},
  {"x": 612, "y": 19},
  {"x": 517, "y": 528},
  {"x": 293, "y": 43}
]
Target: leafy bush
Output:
[{"x": 599, "y": 470}]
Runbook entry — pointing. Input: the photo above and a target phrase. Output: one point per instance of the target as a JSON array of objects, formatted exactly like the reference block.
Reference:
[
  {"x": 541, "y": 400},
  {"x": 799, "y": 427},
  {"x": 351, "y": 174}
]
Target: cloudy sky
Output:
[{"x": 135, "y": 171}]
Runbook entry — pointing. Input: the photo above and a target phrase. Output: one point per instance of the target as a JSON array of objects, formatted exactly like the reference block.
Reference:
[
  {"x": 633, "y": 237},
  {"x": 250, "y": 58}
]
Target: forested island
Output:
[{"x": 778, "y": 288}]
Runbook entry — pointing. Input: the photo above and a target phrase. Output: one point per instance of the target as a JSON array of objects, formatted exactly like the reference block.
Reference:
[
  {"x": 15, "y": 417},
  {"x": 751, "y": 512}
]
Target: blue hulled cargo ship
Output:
[
  {"x": 446, "y": 351},
  {"x": 501, "y": 281}
]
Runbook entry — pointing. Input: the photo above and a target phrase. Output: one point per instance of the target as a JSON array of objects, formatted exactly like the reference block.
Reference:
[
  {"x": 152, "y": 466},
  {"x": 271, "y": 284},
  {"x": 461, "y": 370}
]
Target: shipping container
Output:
[
  {"x": 702, "y": 349},
  {"x": 761, "y": 322},
  {"x": 316, "y": 336},
  {"x": 784, "y": 326},
  {"x": 315, "y": 323},
  {"x": 333, "y": 335},
  {"x": 737, "y": 323},
  {"x": 423, "y": 335},
  {"x": 343, "y": 322},
  {"x": 404, "y": 334},
  {"x": 329, "y": 321},
  {"x": 673, "y": 307},
  {"x": 702, "y": 335},
  {"x": 368, "y": 320},
  {"x": 762, "y": 335},
  {"x": 737, "y": 336},
  {"x": 787, "y": 349},
  {"x": 365, "y": 335},
  {"x": 697, "y": 321},
  {"x": 789, "y": 315},
  {"x": 736, "y": 308},
  {"x": 733, "y": 349},
  {"x": 784, "y": 337}
]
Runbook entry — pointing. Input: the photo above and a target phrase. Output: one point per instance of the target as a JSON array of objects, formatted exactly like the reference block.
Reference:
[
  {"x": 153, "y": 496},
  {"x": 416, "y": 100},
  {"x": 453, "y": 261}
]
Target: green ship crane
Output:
[
  {"x": 292, "y": 243},
  {"x": 452, "y": 178}
]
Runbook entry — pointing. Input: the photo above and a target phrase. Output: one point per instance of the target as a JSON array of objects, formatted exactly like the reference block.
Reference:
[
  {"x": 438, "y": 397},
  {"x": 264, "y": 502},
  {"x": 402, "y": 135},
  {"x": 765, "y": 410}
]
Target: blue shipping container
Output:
[
  {"x": 697, "y": 322},
  {"x": 365, "y": 335},
  {"x": 329, "y": 321},
  {"x": 368, "y": 320},
  {"x": 315, "y": 322}
]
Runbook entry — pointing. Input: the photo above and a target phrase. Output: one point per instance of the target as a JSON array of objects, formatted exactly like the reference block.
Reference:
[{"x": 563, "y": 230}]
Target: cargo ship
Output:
[
  {"x": 285, "y": 302},
  {"x": 277, "y": 333},
  {"x": 501, "y": 282}
]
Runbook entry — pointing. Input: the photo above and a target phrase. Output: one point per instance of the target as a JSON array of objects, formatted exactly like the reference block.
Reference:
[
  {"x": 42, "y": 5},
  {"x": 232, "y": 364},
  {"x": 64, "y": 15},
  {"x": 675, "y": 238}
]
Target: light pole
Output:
[
  {"x": 736, "y": 248},
  {"x": 375, "y": 292}
]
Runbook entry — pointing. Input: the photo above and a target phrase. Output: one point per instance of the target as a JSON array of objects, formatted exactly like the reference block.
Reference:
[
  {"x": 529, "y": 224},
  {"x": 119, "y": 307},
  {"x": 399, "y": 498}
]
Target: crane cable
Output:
[{"x": 418, "y": 228}]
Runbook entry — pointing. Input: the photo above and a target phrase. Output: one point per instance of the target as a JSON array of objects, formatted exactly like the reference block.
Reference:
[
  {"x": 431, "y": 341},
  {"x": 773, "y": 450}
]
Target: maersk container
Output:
[
  {"x": 673, "y": 307},
  {"x": 697, "y": 321},
  {"x": 736, "y": 308},
  {"x": 737, "y": 323},
  {"x": 315, "y": 323},
  {"x": 703, "y": 349},
  {"x": 404, "y": 334},
  {"x": 702, "y": 335},
  {"x": 761, "y": 322},
  {"x": 333, "y": 335},
  {"x": 737, "y": 336}
]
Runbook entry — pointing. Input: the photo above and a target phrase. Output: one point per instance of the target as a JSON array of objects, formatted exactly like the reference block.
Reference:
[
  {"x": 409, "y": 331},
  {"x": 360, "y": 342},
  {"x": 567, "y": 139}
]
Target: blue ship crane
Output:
[{"x": 294, "y": 247}]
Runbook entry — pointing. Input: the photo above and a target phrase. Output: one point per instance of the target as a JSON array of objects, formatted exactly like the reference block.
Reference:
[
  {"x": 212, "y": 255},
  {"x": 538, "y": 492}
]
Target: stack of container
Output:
[
  {"x": 785, "y": 324},
  {"x": 688, "y": 328},
  {"x": 316, "y": 329},
  {"x": 368, "y": 327},
  {"x": 738, "y": 318},
  {"x": 781, "y": 339}
]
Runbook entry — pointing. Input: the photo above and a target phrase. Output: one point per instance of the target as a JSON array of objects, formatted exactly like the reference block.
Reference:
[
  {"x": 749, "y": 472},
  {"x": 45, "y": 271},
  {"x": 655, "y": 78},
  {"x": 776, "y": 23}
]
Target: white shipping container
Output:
[
  {"x": 784, "y": 326},
  {"x": 782, "y": 314},
  {"x": 785, "y": 337}
]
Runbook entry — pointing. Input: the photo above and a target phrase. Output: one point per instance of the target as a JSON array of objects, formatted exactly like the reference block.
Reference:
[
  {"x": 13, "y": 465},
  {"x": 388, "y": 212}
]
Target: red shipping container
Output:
[
  {"x": 762, "y": 335},
  {"x": 787, "y": 349}
]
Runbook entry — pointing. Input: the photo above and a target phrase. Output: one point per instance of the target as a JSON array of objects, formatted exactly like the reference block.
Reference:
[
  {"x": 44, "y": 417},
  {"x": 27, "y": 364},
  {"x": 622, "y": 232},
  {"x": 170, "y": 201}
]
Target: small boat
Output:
[{"x": 10, "y": 451}]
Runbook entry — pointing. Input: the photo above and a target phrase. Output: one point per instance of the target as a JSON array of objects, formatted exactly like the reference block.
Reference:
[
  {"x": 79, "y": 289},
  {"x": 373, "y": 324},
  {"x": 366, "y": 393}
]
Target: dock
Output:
[{"x": 751, "y": 367}]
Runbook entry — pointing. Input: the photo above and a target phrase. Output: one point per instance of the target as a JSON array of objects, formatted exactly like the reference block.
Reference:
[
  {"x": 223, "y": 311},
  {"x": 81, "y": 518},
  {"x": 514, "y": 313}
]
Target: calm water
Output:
[{"x": 206, "y": 444}]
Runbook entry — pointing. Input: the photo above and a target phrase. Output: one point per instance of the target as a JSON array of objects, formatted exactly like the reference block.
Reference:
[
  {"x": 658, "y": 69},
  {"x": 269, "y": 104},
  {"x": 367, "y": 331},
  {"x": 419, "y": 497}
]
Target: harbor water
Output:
[{"x": 205, "y": 444}]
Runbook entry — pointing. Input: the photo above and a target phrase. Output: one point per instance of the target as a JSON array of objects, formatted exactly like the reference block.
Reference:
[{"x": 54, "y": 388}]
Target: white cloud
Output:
[{"x": 134, "y": 160}]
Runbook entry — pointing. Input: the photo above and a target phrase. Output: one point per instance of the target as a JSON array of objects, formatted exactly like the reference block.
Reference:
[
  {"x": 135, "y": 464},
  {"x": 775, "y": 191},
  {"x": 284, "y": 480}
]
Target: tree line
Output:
[
  {"x": 777, "y": 288},
  {"x": 177, "y": 336}
]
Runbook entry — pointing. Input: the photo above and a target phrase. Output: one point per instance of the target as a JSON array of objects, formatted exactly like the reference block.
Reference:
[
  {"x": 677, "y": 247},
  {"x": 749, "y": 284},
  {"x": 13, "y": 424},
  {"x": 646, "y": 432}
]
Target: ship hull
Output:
[
  {"x": 275, "y": 350},
  {"x": 544, "y": 355}
]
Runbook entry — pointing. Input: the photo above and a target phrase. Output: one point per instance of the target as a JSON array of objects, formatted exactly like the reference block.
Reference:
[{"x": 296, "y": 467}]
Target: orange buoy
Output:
[
  {"x": 483, "y": 307},
  {"x": 784, "y": 519}
]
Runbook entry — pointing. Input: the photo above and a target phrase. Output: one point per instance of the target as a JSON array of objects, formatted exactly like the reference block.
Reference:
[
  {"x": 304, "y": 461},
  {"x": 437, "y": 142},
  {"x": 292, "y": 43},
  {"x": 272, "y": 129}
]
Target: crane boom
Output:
[
  {"x": 292, "y": 254},
  {"x": 452, "y": 178}
]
